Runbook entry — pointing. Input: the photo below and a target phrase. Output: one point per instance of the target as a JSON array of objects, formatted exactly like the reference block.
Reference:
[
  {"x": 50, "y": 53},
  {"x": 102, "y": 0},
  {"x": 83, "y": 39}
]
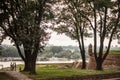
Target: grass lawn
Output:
[
  {"x": 50, "y": 71},
  {"x": 114, "y": 52}
]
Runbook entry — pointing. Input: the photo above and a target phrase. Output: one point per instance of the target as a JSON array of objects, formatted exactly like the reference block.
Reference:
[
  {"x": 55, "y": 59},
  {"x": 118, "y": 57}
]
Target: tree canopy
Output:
[
  {"x": 22, "y": 22},
  {"x": 104, "y": 19},
  {"x": 76, "y": 17}
]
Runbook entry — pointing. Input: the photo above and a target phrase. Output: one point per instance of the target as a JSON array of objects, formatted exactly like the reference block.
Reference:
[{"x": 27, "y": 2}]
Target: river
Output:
[{"x": 7, "y": 63}]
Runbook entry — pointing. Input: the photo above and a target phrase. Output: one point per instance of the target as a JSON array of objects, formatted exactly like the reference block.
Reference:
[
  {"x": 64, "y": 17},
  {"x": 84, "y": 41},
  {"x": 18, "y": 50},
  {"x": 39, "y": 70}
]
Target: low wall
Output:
[{"x": 112, "y": 62}]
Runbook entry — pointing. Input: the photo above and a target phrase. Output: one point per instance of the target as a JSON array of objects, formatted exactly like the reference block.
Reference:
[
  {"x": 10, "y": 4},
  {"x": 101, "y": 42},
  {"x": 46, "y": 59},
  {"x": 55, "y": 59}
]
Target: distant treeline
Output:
[
  {"x": 9, "y": 51},
  {"x": 70, "y": 52}
]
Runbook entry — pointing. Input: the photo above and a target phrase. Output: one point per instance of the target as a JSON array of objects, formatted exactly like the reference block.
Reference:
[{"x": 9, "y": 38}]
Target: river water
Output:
[{"x": 7, "y": 63}]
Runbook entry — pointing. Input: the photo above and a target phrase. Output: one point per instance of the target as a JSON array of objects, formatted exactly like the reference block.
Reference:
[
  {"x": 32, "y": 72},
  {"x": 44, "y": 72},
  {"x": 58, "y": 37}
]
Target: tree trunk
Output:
[
  {"x": 82, "y": 55},
  {"x": 27, "y": 65},
  {"x": 83, "y": 51},
  {"x": 33, "y": 66},
  {"x": 27, "y": 59},
  {"x": 30, "y": 65},
  {"x": 83, "y": 61},
  {"x": 99, "y": 64}
]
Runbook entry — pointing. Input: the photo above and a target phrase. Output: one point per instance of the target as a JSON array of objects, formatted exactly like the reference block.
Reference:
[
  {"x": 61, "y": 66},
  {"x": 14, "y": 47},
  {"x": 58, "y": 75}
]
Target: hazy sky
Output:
[{"x": 62, "y": 40}]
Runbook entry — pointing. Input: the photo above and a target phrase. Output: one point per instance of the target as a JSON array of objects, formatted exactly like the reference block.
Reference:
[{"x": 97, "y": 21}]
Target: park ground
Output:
[{"x": 46, "y": 72}]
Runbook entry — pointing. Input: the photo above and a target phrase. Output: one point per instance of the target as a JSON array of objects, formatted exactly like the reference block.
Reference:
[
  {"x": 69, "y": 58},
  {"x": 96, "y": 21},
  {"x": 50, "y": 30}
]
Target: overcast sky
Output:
[{"x": 64, "y": 40}]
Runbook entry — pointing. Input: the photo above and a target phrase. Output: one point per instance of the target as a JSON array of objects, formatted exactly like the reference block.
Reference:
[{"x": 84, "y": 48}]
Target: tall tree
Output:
[
  {"x": 22, "y": 23},
  {"x": 104, "y": 20},
  {"x": 73, "y": 24}
]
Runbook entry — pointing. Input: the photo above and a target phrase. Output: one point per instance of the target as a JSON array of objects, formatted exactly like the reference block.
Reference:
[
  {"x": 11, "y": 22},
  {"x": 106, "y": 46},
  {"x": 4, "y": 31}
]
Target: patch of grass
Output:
[
  {"x": 114, "y": 52},
  {"x": 50, "y": 71}
]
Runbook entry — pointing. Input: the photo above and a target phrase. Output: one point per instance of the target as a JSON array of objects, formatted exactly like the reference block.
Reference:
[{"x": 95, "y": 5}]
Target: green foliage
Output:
[
  {"x": 1, "y": 48},
  {"x": 9, "y": 51},
  {"x": 70, "y": 21},
  {"x": 24, "y": 26},
  {"x": 103, "y": 3},
  {"x": 68, "y": 52},
  {"x": 56, "y": 49},
  {"x": 65, "y": 54},
  {"x": 104, "y": 19}
]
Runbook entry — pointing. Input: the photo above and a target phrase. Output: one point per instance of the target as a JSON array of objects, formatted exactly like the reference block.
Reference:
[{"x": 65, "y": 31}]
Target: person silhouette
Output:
[{"x": 14, "y": 64}]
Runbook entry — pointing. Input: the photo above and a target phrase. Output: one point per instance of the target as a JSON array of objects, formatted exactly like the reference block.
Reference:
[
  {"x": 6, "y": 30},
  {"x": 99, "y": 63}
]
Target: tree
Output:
[
  {"x": 118, "y": 34},
  {"x": 22, "y": 23},
  {"x": 1, "y": 48},
  {"x": 72, "y": 23},
  {"x": 104, "y": 19},
  {"x": 69, "y": 52},
  {"x": 56, "y": 49},
  {"x": 9, "y": 51}
]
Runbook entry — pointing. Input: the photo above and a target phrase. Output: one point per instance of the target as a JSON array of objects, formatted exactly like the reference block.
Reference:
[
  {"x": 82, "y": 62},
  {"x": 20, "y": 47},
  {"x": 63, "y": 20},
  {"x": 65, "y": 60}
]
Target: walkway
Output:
[{"x": 17, "y": 75}]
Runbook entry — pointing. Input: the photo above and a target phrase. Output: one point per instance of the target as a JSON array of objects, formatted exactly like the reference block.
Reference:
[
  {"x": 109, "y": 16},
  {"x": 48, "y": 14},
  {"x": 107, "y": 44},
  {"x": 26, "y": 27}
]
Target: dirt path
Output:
[{"x": 17, "y": 75}]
